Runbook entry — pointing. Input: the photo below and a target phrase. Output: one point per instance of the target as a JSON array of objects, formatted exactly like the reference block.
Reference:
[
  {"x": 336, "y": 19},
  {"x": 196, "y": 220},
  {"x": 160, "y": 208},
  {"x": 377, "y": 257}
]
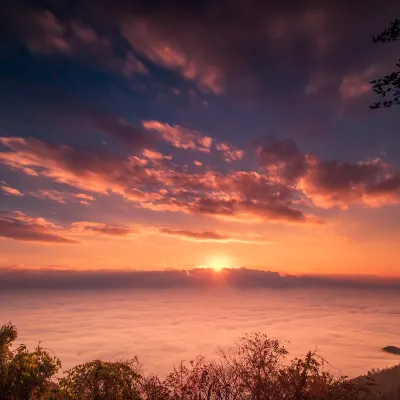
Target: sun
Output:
[{"x": 219, "y": 263}]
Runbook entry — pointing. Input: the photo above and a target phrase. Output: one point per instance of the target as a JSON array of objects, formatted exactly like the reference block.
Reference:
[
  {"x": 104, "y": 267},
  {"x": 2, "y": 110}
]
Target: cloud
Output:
[
  {"x": 334, "y": 183},
  {"x": 151, "y": 41},
  {"x": 357, "y": 85},
  {"x": 282, "y": 158},
  {"x": 198, "y": 277},
  {"x": 179, "y": 137},
  {"x": 103, "y": 229},
  {"x": 291, "y": 178},
  {"x": 11, "y": 191},
  {"x": 238, "y": 195},
  {"x": 19, "y": 226},
  {"x": 154, "y": 155},
  {"x": 229, "y": 153},
  {"x": 131, "y": 136},
  {"x": 330, "y": 183},
  {"x": 63, "y": 197},
  {"x": 209, "y": 236},
  {"x": 45, "y": 34},
  {"x": 80, "y": 168}
]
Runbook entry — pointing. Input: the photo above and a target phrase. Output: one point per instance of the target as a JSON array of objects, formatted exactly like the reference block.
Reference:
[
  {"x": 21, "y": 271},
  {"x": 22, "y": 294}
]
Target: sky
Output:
[{"x": 155, "y": 135}]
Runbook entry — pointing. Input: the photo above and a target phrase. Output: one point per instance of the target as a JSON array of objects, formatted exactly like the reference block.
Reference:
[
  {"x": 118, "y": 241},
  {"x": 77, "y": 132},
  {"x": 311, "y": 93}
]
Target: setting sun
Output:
[{"x": 219, "y": 263}]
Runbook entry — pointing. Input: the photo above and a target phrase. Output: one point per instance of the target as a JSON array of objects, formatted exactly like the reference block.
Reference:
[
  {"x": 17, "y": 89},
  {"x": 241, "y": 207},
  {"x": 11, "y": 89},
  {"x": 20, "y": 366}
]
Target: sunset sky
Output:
[{"x": 176, "y": 134}]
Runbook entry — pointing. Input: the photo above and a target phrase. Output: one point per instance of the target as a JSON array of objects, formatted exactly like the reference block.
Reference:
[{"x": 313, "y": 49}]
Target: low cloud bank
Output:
[{"x": 23, "y": 278}]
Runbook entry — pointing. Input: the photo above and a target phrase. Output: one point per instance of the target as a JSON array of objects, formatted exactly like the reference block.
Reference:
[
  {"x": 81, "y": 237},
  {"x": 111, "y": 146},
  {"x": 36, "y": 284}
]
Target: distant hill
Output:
[{"x": 387, "y": 383}]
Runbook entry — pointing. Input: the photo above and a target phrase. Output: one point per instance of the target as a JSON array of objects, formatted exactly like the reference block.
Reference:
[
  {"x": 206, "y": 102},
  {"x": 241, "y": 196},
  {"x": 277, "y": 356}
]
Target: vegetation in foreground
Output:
[{"x": 254, "y": 368}]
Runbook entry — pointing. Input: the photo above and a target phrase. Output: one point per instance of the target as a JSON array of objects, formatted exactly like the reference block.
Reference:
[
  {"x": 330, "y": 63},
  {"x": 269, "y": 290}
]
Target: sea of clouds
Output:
[{"x": 349, "y": 325}]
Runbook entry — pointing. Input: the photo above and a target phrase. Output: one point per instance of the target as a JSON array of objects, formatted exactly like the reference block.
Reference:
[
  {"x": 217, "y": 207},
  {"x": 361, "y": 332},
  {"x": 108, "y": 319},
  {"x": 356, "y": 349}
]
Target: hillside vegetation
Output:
[{"x": 256, "y": 367}]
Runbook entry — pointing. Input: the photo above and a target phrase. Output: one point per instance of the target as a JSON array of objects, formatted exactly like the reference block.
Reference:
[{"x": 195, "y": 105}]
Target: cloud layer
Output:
[{"x": 16, "y": 277}]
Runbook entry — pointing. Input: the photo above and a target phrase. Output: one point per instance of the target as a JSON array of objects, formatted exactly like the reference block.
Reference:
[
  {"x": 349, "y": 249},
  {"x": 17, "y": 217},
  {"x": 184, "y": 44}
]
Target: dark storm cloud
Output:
[{"x": 16, "y": 277}]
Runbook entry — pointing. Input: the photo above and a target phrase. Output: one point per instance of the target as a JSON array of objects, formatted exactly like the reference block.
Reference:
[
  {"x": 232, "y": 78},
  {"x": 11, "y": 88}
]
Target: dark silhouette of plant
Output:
[
  {"x": 256, "y": 368},
  {"x": 101, "y": 380},
  {"x": 388, "y": 86},
  {"x": 24, "y": 374}
]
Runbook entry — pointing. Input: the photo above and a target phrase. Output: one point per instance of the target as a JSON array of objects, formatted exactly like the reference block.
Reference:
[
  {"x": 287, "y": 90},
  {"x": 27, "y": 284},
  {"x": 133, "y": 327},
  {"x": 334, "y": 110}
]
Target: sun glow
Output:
[{"x": 219, "y": 263}]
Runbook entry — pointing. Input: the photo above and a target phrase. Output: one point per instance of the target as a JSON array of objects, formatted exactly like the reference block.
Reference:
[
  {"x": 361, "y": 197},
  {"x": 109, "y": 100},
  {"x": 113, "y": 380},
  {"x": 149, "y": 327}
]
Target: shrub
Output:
[{"x": 24, "y": 374}]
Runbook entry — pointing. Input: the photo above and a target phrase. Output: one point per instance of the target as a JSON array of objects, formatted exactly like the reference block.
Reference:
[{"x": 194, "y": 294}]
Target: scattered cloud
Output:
[
  {"x": 179, "y": 137},
  {"x": 19, "y": 226},
  {"x": 357, "y": 85},
  {"x": 46, "y": 34},
  {"x": 331, "y": 183},
  {"x": 239, "y": 195},
  {"x": 209, "y": 236},
  {"x": 229, "y": 153},
  {"x": 11, "y": 191},
  {"x": 151, "y": 41},
  {"x": 63, "y": 197},
  {"x": 101, "y": 228}
]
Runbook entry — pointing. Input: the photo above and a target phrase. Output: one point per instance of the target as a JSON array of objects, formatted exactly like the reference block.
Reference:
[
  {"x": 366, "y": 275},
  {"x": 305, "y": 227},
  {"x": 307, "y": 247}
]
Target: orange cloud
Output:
[
  {"x": 240, "y": 195},
  {"x": 208, "y": 236},
  {"x": 11, "y": 191},
  {"x": 180, "y": 137},
  {"x": 330, "y": 183},
  {"x": 149, "y": 39},
  {"x": 101, "y": 228},
  {"x": 63, "y": 197},
  {"x": 19, "y": 226},
  {"x": 229, "y": 153}
]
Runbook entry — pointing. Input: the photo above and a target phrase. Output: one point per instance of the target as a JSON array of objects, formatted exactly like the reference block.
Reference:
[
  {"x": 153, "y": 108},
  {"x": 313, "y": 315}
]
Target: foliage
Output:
[
  {"x": 388, "y": 86},
  {"x": 387, "y": 383},
  {"x": 24, "y": 374},
  {"x": 100, "y": 380},
  {"x": 256, "y": 368}
]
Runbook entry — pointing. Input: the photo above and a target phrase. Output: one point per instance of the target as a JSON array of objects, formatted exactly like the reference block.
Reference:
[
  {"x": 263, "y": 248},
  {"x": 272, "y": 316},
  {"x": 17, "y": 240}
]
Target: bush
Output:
[{"x": 24, "y": 374}]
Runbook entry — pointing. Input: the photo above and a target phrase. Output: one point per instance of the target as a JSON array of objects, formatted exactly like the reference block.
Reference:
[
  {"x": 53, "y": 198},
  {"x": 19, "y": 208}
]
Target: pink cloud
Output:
[
  {"x": 229, "y": 153},
  {"x": 290, "y": 180},
  {"x": 151, "y": 41},
  {"x": 179, "y": 137},
  {"x": 101, "y": 228},
  {"x": 238, "y": 195},
  {"x": 357, "y": 85},
  {"x": 154, "y": 155},
  {"x": 63, "y": 197},
  {"x": 18, "y": 226},
  {"x": 211, "y": 236},
  {"x": 331, "y": 183},
  {"x": 11, "y": 191}
]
